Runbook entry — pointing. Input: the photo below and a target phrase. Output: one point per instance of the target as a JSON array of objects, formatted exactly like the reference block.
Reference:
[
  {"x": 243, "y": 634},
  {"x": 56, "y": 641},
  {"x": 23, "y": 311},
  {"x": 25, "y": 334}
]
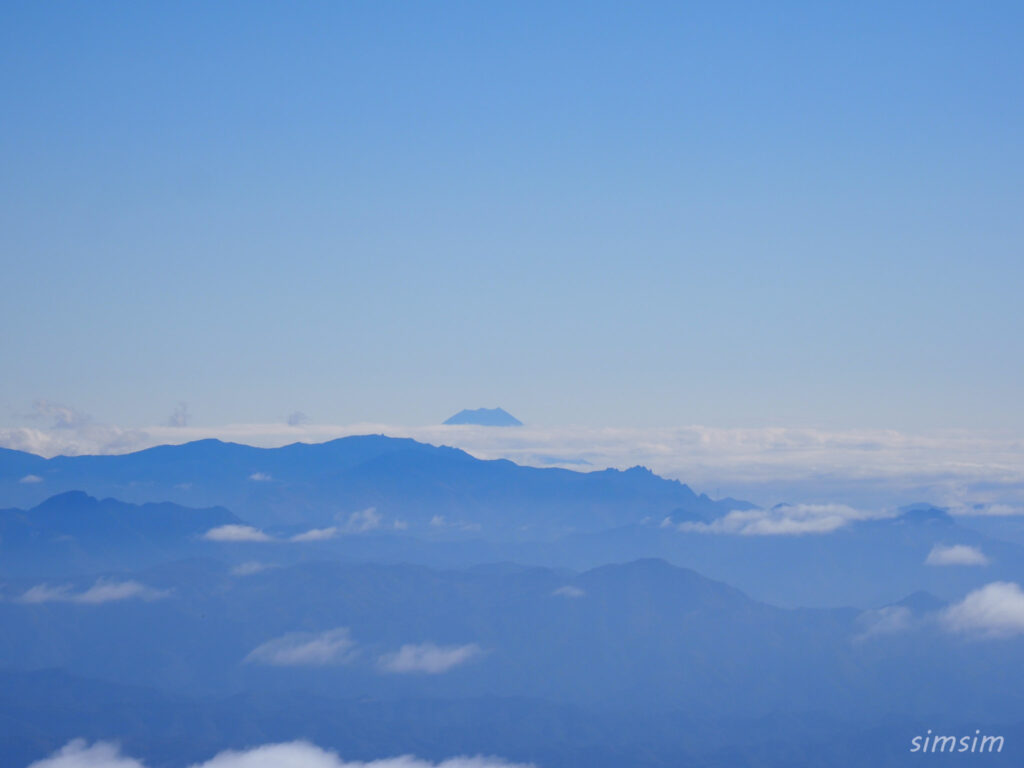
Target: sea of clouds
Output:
[{"x": 863, "y": 468}]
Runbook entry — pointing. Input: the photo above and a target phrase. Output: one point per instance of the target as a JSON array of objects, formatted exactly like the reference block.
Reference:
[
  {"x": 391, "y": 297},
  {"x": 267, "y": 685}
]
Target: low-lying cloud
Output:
[
  {"x": 957, "y": 554},
  {"x": 250, "y": 567},
  {"x": 315, "y": 534},
  {"x": 995, "y": 610},
  {"x": 236, "y": 533},
  {"x": 890, "y": 620},
  {"x": 306, "y": 649},
  {"x": 427, "y": 658},
  {"x": 103, "y": 591},
  {"x": 363, "y": 521},
  {"x": 358, "y": 522},
  {"x": 295, "y": 754},
  {"x": 782, "y": 520},
  {"x": 569, "y": 591}
]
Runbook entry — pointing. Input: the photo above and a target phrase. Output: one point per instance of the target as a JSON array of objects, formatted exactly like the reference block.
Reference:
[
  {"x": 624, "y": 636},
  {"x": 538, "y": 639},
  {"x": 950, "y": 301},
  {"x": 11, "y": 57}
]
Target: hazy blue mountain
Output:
[
  {"x": 638, "y": 635},
  {"x": 41, "y": 711},
  {"x": 485, "y": 417},
  {"x": 73, "y": 531},
  {"x": 867, "y": 564},
  {"x": 456, "y": 605},
  {"x": 438, "y": 491}
]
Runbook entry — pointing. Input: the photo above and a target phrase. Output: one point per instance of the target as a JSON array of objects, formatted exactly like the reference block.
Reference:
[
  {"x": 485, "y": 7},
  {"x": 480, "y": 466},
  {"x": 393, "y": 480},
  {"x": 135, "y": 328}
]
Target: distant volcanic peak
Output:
[{"x": 485, "y": 417}]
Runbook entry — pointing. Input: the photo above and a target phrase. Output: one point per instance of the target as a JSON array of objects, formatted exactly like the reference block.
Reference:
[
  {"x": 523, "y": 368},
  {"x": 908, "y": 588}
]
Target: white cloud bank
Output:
[
  {"x": 306, "y": 649},
  {"x": 764, "y": 464},
  {"x": 428, "y": 658},
  {"x": 957, "y": 554},
  {"x": 995, "y": 610},
  {"x": 103, "y": 591},
  {"x": 782, "y": 520},
  {"x": 296, "y": 754}
]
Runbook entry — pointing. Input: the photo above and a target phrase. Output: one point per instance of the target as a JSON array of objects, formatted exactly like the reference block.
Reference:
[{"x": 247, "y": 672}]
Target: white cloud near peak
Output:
[
  {"x": 30, "y": 479},
  {"x": 296, "y": 754},
  {"x": 428, "y": 658},
  {"x": 957, "y": 554}
]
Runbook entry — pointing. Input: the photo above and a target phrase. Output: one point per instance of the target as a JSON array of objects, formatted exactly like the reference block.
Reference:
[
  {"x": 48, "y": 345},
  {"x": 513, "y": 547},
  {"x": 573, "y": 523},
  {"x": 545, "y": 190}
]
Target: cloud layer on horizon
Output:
[{"x": 958, "y": 469}]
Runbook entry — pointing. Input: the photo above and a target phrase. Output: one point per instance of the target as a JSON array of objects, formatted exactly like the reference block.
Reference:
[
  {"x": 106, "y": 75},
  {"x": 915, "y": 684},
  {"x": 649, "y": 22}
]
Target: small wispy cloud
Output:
[
  {"x": 180, "y": 417},
  {"x": 995, "y": 610},
  {"x": 296, "y": 419},
  {"x": 60, "y": 416},
  {"x": 957, "y": 554},
  {"x": 440, "y": 521},
  {"x": 985, "y": 510},
  {"x": 890, "y": 620},
  {"x": 103, "y": 591},
  {"x": 236, "y": 532},
  {"x": 260, "y": 477},
  {"x": 315, "y": 534},
  {"x": 31, "y": 479},
  {"x": 569, "y": 591},
  {"x": 306, "y": 649},
  {"x": 427, "y": 658},
  {"x": 61, "y": 429},
  {"x": 362, "y": 521},
  {"x": 295, "y": 754},
  {"x": 249, "y": 568},
  {"x": 782, "y": 520}
]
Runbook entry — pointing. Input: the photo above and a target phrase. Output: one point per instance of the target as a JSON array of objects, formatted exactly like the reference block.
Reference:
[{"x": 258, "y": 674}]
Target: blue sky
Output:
[{"x": 588, "y": 213}]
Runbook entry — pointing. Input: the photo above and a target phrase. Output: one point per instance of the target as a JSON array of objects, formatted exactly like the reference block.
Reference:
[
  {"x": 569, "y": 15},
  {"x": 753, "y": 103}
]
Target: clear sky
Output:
[{"x": 635, "y": 214}]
